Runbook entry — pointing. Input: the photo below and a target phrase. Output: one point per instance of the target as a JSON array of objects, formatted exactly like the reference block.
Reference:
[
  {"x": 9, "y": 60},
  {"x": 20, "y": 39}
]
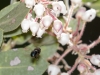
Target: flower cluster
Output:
[{"x": 47, "y": 20}]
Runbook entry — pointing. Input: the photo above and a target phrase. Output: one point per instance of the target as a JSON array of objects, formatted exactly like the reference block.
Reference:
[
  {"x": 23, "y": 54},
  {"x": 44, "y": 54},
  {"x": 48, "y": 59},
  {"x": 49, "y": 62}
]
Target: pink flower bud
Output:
[
  {"x": 39, "y": 10},
  {"x": 57, "y": 28},
  {"x": 25, "y": 25},
  {"x": 80, "y": 12},
  {"x": 57, "y": 25},
  {"x": 29, "y": 3},
  {"x": 34, "y": 26},
  {"x": 81, "y": 68},
  {"x": 89, "y": 15}
]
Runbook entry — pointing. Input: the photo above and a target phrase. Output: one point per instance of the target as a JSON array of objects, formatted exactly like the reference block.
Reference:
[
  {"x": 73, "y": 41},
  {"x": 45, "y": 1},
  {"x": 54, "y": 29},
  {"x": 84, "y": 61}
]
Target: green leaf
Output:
[
  {"x": 1, "y": 36},
  {"x": 12, "y": 1},
  {"x": 87, "y": 1},
  {"x": 94, "y": 4},
  {"x": 15, "y": 32},
  {"x": 7, "y": 9},
  {"x": 73, "y": 24},
  {"x": 21, "y": 39},
  {"x": 45, "y": 40},
  {"x": 12, "y": 20},
  {"x": 39, "y": 65}
]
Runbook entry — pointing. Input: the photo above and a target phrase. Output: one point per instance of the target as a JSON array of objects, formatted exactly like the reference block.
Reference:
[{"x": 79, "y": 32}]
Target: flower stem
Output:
[
  {"x": 82, "y": 31},
  {"x": 94, "y": 43},
  {"x": 63, "y": 55},
  {"x": 69, "y": 16}
]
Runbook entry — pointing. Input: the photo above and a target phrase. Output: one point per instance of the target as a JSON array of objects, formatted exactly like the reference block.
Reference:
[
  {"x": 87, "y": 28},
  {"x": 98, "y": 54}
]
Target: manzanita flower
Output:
[
  {"x": 97, "y": 72},
  {"x": 57, "y": 8},
  {"x": 39, "y": 10},
  {"x": 29, "y": 3},
  {"x": 40, "y": 32},
  {"x": 63, "y": 7},
  {"x": 65, "y": 39},
  {"x": 80, "y": 12},
  {"x": 89, "y": 15},
  {"x": 34, "y": 26},
  {"x": 25, "y": 24},
  {"x": 57, "y": 28},
  {"x": 46, "y": 21},
  {"x": 53, "y": 70},
  {"x": 95, "y": 59}
]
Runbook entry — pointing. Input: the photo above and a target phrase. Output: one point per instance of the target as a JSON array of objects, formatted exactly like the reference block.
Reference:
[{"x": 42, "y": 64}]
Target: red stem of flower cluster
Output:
[
  {"x": 63, "y": 55},
  {"x": 94, "y": 43}
]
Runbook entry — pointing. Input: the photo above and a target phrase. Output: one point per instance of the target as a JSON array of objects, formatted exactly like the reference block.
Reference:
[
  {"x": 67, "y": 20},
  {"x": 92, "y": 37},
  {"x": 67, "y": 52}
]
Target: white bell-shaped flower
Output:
[
  {"x": 40, "y": 32},
  {"x": 29, "y": 3},
  {"x": 63, "y": 7},
  {"x": 76, "y": 1},
  {"x": 57, "y": 8},
  {"x": 97, "y": 72},
  {"x": 89, "y": 15},
  {"x": 53, "y": 70},
  {"x": 46, "y": 21},
  {"x": 34, "y": 26},
  {"x": 25, "y": 25},
  {"x": 65, "y": 39},
  {"x": 39, "y": 10},
  {"x": 64, "y": 73},
  {"x": 57, "y": 28},
  {"x": 95, "y": 59}
]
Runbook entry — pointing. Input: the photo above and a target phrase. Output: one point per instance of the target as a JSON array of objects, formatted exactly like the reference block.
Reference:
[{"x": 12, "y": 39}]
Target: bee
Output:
[{"x": 35, "y": 53}]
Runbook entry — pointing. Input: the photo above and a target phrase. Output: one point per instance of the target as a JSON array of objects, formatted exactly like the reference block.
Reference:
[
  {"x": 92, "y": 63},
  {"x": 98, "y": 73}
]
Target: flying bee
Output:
[{"x": 35, "y": 53}]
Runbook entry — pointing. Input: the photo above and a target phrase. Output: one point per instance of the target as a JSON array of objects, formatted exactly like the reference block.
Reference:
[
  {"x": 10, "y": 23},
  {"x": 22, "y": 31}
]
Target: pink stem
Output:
[
  {"x": 82, "y": 31},
  {"x": 69, "y": 16},
  {"x": 63, "y": 55},
  {"x": 94, "y": 43},
  {"x": 77, "y": 28},
  {"x": 54, "y": 18}
]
